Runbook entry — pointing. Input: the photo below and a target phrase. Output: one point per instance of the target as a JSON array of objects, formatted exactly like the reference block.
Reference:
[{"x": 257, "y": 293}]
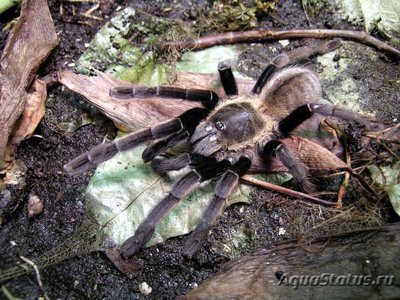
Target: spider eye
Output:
[{"x": 220, "y": 125}]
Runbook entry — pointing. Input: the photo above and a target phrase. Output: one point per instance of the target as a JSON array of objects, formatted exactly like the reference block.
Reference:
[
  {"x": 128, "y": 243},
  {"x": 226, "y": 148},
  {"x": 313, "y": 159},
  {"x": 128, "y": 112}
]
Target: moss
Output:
[{"x": 234, "y": 15}]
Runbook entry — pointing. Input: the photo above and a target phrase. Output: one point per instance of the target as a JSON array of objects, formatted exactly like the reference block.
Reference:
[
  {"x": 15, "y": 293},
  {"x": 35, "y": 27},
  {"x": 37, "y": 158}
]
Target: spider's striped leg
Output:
[
  {"x": 227, "y": 79},
  {"x": 226, "y": 184},
  {"x": 290, "y": 160},
  {"x": 104, "y": 152},
  {"x": 291, "y": 57},
  {"x": 159, "y": 147},
  {"x": 163, "y": 145},
  {"x": 181, "y": 161},
  {"x": 208, "y": 98},
  {"x": 303, "y": 112},
  {"x": 179, "y": 190}
]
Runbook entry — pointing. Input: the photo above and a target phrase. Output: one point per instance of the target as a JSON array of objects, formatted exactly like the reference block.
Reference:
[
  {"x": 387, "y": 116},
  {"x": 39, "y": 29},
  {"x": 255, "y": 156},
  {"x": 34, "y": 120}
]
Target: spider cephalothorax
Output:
[
  {"x": 233, "y": 133},
  {"x": 233, "y": 126}
]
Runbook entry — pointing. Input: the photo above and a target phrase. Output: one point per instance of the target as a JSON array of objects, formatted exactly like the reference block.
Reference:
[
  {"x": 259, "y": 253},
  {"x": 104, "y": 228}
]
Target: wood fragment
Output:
[{"x": 274, "y": 271}]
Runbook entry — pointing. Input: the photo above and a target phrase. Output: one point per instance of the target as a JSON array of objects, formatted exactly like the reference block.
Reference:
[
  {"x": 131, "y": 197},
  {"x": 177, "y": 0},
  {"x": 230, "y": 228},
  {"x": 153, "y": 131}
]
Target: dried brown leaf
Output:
[{"x": 32, "y": 114}]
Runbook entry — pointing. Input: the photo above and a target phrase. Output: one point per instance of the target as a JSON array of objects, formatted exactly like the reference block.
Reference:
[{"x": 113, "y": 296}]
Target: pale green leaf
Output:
[
  {"x": 388, "y": 178},
  {"x": 383, "y": 15},
  {"x": 124, "y": 190}
]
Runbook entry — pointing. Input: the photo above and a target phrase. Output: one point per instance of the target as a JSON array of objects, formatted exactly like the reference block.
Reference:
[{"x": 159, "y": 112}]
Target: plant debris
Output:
[
  {"x": 30, "y": 41},
  {"x": 32, "y": 114},
  {"x": 35, "y": 206}
]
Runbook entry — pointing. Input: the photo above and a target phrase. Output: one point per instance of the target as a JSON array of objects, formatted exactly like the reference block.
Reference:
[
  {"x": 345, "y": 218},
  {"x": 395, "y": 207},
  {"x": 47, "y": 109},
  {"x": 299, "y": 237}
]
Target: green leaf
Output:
[
  {"x": 7, "y": 4},
  {"x": 388, "y": 178},
  {"x": 383, "y": 15},
  {"x": 124, "y": 190}
]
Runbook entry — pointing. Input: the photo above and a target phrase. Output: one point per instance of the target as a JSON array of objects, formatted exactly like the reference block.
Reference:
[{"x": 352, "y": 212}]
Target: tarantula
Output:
[{"x": 243, "y": 133}]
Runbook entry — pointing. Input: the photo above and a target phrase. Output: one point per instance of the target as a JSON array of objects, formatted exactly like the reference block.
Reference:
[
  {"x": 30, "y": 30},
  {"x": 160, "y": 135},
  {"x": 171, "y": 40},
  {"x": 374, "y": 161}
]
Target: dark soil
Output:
[{"x": 93, "y": 275}]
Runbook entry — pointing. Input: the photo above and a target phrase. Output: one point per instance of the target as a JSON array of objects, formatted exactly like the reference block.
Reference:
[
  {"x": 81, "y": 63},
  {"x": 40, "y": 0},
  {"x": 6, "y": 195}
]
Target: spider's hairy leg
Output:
[
  {"x": 190, "y": 124},
  {"x": 303, "y": 112},
  {"x": 291, "y": 57},
  {"x": 160, "y": 147},
  {"x": 208, "y": 98},
  {"x": 226, "y": 184},
  {"x": 179, "y": 190},
  {"x": 181, "y": 161},
  {"x": 227, "y": 79},
  {"x": 105, "y": 151},
  {"x": 289, "y": 160}
]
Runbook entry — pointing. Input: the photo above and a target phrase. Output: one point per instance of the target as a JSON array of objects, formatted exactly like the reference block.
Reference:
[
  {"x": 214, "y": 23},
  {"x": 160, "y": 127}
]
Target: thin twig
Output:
[
  {"x": 379, "y": 135},
  {"x": 88, "y": 13},
  {"x": 36, "y": 269},
  {"x": 279, "y": 189},
  {"x": 343, "y": 186},
  {"x": 342, "y": 190},
  {"x": 259, "y": 36}
]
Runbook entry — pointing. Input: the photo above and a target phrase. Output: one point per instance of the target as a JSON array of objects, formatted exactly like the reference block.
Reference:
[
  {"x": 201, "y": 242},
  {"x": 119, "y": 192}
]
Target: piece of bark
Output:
[
  {"x": 30, "y": 41},
  {"x": 273, "y": 272},
  {"x": 32, "y": 114},
  {"x": 127, "y": 267}
]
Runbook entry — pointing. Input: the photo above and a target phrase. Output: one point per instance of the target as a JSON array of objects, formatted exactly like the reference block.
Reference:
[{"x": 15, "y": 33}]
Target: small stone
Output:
[
  {"x": 35, "y": 206},
  {"x": 144, "y": 288},
  {"x": 281, "y": 231},
  {"x": 284, "y": 43}
]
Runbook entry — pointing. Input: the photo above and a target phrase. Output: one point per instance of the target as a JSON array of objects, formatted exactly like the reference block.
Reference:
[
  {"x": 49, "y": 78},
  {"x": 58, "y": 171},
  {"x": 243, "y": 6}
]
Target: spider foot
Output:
[
  {"x": 291, "y": 161},
  {"x": 196, "y": 240},
  {"x": 224, "y": 187},
  {"x": 105, "y": 151},
  {"x": 146, "y": 229},
  {"x": 132, "y": 245}
]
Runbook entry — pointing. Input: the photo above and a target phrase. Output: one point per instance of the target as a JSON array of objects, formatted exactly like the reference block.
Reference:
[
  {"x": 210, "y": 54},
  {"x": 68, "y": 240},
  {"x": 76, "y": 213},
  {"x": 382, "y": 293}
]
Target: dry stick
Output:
[
  {"x": 283, "y": 190},
  {"x": 36, "y": 269},
  {"x": 259, "y": 36},
  {"x": 343, "y": 187},
  {"x": 342, "y": 190}
]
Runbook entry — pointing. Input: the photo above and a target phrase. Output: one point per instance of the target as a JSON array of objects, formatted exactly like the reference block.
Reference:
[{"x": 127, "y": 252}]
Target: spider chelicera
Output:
[{"x": 230, "y": 135}]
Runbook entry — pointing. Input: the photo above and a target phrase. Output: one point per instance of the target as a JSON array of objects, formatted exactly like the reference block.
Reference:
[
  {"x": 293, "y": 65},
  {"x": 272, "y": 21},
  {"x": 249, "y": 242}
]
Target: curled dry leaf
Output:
[
  {"x": 32, "y": 114},
  {"x": 30, "y": 41}
]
